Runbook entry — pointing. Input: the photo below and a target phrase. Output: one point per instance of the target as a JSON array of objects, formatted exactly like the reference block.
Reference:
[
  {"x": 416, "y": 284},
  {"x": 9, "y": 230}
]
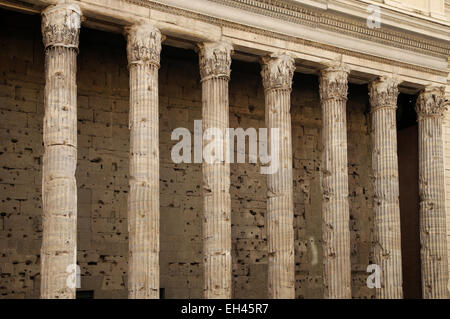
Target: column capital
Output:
[
  {"x": 383, "y": 92},
  {"x": 61, "y": 25},
  {"x": 430, "y": 102},
  {"x": 277, "y": 71},
  {"x": 334, "y": 81},
  {"x": 215, "y": 59},
  {"x": 143, "y": 44}
]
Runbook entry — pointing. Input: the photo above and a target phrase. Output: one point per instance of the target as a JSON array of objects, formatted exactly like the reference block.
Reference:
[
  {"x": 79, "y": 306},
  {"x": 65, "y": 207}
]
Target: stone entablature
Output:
[{"x": 312, "y": 34}]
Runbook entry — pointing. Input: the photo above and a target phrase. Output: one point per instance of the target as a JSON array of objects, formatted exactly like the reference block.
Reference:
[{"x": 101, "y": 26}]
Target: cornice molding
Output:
[
  {"x": 409, "y": 57},
  {"x": 246, "y": 28},
  {"x": 321, "y": 19}
]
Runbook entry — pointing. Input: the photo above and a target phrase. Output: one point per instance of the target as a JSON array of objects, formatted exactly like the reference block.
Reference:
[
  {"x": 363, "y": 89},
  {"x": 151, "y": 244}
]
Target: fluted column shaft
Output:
[
  {"x": 143, "y": 49},
  {"x": 215, "y": 62},
  {"x": 335, "y": 207},
  {"x": 277, "y": 72},
  {"x": 430, "y": 112},
  {"x": 60, "y": 30},
  {"x": 387, "y": 236}
]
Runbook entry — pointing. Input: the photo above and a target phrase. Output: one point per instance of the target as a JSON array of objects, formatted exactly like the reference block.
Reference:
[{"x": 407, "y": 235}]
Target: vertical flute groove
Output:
[
  {"x": 277, "y": 72},
  {"x": 60, "y": 30},
  {"x": 215, "y": 62},
  {"x": 433, "y": 238},
  {"x": 387, "y": 245},
  {"x": 144, "y": 47},
  {"x": 335, "y": 227}
]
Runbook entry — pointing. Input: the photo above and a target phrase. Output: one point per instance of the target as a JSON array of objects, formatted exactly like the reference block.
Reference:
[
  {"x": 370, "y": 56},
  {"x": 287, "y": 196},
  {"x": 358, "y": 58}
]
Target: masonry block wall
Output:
[
  {"x": 21, "y": 109},
  {"x": 102, "y": 173}
]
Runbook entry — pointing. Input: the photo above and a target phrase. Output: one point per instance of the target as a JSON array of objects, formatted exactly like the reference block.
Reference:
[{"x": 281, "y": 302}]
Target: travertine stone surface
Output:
[
  {"x": 335, "y": 206},
  {"x": 102, "y": 174},
  {"x": 215, "y": 62},
  {"x": 277, "y": 72},
  {"x": 143, "y": 50},
  {"x": 387, "y": 237},
  {"x": 430, "y": 110},
  {"x": 60, "y": 30}
]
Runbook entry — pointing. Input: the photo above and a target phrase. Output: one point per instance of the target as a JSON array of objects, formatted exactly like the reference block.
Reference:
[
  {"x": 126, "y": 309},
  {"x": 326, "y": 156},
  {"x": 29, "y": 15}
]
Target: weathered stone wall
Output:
[
  {"x": 102, "y": 172},
  {"x": 360, "y": 188},
  {"x": 21, "y": 109},
  {"x": 181, "y": 257}
]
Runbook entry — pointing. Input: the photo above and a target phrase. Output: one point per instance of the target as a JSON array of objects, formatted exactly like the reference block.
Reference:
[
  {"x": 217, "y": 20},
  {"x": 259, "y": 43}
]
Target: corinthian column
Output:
[
  {"x": 215, "y": 62},
  {"x": 143, "y": 50},
  {"x": 430, "y": 112},
  {"x": 336, "y": 232},
  {"x": 387, "y": 247},
  {"x": 277, "y": 72},
  {"x": 60, "y": 31}
]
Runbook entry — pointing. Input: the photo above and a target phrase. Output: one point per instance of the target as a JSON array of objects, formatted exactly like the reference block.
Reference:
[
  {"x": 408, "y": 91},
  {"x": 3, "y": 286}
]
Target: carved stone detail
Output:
[
  {"x": 61, "y": 25},
  {"x": 313, "y": 18},
  {"x": 143, "y": 48},
  {"x": 215, "y": 59},
  {"x": 60, "y": 28},
  {"x": 387, "y": 235},
  {"x": 433, "y": 235},
  {"x": 430, "y": 102},
  {"x": 144, "y": 44},
  {"x": 277, "y": 71},
  {"x": 335, "y": 206},
  {"x": 404, "y": 42},
  {"x": 281, "y": 10},
  {"x": 333, "y": 81},
  {"x": 383, "y": 92}
]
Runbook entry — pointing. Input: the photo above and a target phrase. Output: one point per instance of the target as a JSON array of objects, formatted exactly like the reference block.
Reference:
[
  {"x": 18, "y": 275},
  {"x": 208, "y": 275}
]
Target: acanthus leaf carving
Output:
[
  {"x": 334, "y": 81},
  {"x": 431, "y": 102},
  {"x": 61, "y": 25},
  {"x": 277, "y": 71},
  {"x": 215, "y": 59},
  {"x": 144, "y": 44},
  {"x": 383, "y": 92}
]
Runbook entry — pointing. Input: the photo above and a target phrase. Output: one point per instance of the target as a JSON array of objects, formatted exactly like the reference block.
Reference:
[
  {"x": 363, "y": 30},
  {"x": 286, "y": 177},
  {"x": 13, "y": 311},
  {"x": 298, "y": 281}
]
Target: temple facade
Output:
[{"x": 93, "y": 204}]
